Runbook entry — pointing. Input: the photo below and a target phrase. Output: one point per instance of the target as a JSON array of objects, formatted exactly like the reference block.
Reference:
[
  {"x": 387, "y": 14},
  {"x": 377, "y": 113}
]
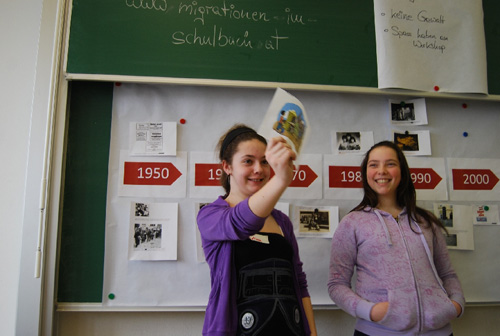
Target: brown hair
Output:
[
  {"x": 228, "y": 145},
  {"x": 406, "y": 195}
]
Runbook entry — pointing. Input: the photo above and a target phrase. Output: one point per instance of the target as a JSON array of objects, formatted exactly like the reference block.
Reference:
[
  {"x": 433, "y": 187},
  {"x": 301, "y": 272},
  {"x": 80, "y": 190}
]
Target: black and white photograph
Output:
[
  {"x": 349, "y": 141},
  {"x": 316, "y": 221},
  {"x": 451, "y": 240},
  {"x": 147, "y": 236},
  {"x": 153, "y": 231},
  {"x": 410, "y": 112},
  {"x": 141, "y": 209},
  {"x": 402, "y": 112},
  {"x": 446, "y": 214}
]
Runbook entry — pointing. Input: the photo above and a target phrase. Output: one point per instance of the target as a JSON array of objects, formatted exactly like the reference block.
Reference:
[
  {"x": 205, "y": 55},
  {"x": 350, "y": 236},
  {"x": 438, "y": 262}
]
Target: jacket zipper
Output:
[{"x": 419, "y": 305}]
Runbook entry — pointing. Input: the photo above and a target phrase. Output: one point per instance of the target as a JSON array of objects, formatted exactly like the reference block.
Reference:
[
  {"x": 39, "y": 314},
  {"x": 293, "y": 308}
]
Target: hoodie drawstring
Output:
[{"x": 382, "y": 222}]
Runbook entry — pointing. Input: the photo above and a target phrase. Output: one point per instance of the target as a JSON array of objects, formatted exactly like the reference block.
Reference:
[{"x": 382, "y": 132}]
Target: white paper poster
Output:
[
  {"x": 153, "y": 231},
  {"x": 283, "y": 207},
  {"x": 153, "y": 138},
  {"x": 429, "y": 178},
  {"x": 205, "y": 173},
  {"x": 307, "y": 179},
  {"x": 200, "y": 254},
  {"x": 457, "y": 220},
  {"x": 342, "y": 177},
  {"x": 474, "y": 179},
  {"x": 485, "y": 214},
  {"x": 431, "y": 45},
  {"x": 152, "y": 176}
]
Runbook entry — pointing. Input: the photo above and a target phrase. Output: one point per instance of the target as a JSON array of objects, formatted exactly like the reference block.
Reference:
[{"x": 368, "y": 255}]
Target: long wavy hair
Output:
[
  {"x": 227, "y": 151},
  {"x": 406, "y": 195}
]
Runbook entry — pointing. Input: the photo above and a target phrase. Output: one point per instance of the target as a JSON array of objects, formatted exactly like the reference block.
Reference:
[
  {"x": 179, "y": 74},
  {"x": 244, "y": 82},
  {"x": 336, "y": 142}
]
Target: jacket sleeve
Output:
[
  {"x": 218, "y": 221},
  {"x": 445, "y": 270},
  {"x": 342, "y": 262}
]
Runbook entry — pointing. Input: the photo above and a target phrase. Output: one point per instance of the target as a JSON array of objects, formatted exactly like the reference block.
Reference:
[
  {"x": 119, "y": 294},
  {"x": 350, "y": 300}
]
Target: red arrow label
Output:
[
  {"x": 207, "y": 174},
  {"x": 150, "y": 173},
  {"x": 303, "y": 176},
  {"x": 425, "y": 178},
  {"x": 473, "y": 179},
  {"x": 344, "y": 177}
]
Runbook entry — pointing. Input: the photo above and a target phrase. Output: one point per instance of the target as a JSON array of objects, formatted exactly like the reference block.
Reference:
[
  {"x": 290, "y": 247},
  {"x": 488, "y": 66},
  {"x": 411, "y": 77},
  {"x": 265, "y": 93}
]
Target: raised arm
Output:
[{"x": 280, "y": 157}]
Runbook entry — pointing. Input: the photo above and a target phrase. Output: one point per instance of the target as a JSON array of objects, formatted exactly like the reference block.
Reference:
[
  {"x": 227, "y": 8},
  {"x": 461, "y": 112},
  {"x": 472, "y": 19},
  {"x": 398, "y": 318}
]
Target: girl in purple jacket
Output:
[
  {"x": 405, "y": 283},
  {"x": 258, "y": 285}
]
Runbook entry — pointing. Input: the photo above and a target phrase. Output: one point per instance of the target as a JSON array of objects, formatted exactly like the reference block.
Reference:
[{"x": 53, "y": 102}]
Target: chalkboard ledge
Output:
[
  {"x": 274, "y": 85},
  {"x": 98, "y": 307}
]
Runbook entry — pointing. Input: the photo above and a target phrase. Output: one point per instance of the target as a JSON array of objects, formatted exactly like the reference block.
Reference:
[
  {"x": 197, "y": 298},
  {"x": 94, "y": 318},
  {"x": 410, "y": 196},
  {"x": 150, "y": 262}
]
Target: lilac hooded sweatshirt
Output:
[
  {"x": 412, "y": 271},
  {"x": 219, "y": 226}
]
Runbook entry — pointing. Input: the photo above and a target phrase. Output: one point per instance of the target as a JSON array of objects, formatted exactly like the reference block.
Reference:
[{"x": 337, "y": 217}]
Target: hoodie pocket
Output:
[
  {"x": 438, "y": 308},
  {"x": 402, "y": 313}
]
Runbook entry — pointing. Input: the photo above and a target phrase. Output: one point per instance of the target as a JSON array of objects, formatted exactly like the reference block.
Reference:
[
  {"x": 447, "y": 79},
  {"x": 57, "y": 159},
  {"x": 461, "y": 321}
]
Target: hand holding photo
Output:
[{"x": 286, "y": 117}]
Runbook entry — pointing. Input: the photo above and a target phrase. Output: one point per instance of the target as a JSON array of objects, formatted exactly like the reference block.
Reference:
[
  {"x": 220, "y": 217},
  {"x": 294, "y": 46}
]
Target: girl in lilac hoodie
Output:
[
  {"x": 258, "y": 285},
  {"x": 405, "y": 283}
]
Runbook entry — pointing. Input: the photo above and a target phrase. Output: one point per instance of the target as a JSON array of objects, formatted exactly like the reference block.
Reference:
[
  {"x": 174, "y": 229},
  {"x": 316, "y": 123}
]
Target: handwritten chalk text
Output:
[
  {"x": 230, "y": 12},
  {"x": 218, "y": 38},
  {"x": 159, "y": 5}
]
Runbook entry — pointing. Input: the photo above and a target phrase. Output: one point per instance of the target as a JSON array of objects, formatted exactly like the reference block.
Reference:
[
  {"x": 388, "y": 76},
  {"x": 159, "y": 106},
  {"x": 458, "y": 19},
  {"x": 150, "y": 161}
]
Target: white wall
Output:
[{"x": 19, "y": 31}]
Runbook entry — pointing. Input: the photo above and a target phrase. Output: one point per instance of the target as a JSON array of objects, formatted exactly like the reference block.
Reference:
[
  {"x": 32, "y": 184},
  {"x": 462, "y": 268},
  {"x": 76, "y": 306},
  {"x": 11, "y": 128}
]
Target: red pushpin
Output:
[
  {"x": 464, "y": 105},
  {"x": 118, "y": 84},
  {"x": 182, "y": 121},
  {"x": 436, "y": 88}
]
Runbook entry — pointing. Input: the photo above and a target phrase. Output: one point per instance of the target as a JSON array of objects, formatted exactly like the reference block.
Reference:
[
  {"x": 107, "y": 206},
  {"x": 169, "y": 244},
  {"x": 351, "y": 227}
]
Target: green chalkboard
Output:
[
  {"x": 285, "y": 41},
  {"x": 315, "y": 41},
  {"x": 491, "y": 10},
  {"x": 84, "y": 202}
]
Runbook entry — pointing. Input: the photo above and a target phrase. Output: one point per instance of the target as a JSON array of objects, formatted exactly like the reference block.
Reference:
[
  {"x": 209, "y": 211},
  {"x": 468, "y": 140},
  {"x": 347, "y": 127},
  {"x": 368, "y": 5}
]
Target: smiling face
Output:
[
  {"x": 383, "y": 172},
  {"x": 249, "y": 170}
]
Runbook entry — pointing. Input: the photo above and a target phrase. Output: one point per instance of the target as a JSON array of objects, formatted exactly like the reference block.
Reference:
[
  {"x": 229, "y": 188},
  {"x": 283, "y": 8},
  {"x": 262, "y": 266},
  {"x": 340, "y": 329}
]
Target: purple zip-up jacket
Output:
[
  {"x": 411, "y": 271},
  {"x": 219, "y": 226}
]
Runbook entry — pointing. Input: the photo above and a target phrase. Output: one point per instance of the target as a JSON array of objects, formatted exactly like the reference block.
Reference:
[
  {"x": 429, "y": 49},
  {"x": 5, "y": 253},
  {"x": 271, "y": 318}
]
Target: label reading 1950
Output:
[{"x": 150, "y": 173}]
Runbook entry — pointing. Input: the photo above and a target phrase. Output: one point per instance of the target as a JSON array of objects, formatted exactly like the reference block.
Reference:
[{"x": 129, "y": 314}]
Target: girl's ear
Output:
[{"x": 227, "y": 167}]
